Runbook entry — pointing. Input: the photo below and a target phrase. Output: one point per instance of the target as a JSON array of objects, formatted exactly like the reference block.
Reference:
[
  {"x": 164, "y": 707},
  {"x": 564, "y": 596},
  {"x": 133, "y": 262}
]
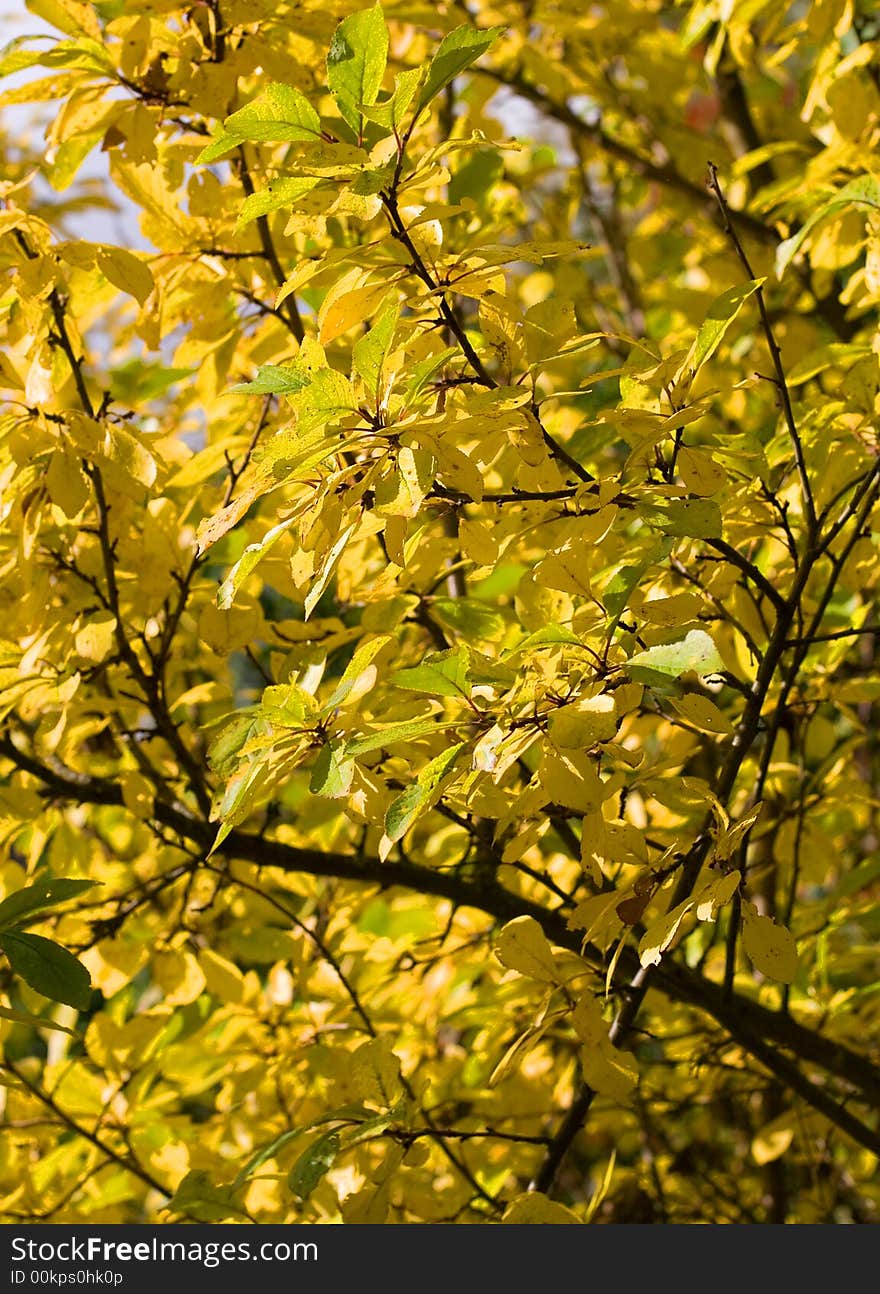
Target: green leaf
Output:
[
  {"x": 26, "y": 902},
  {"x": 372, "y": 1127},
  {"x": 409, "y": 806},
  {"x": 836, "y": 354},
  {"x": 721, "y": 315},
  {"x": 687, "y": 518},
  {"x": 423, "y": 372},
  {"x": 252, "y": 555},
  {"x": 280, "y": 114},
  {"x": 549, "y": 636},
  {"x": 695, "y": 652},
  {"x": 355, "y": 670},
  {"x": 35, "y": 1021},
  {"x": 344, "y": 1113},
  {"x": 391, "y": 112},
  {"x": 199, "y": 1197},
  {"x": 440, "y": 674},
  {"x": 619, "y": 589},
  {"x": 369, "y": 353},
  {"x": 393, "y": 734},
  {"x": 237, "y": 799},
  {"x": 274, "y": 379},
  {"x": 332, "y": 772},
  {"x": 455, "y": 54},
  {"x": 316, "y": 1160},
  {"x": 285, "y": 192},
  {"x": 322, "y": 579},
  {"x": 469, "y": 617},
  {"x": 356, "y": 62},
  {"x": 48, "y": 968},
  {"x": 864, "y": 191}
]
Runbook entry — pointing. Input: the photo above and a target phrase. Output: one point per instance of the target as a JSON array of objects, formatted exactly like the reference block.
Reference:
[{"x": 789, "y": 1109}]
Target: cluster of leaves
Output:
[{"x": 439, "y": 677}]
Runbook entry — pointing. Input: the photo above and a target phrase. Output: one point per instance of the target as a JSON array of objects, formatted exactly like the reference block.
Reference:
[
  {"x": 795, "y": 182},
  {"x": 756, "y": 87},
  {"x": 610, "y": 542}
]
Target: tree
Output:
[{"x": 439, "y": 772}]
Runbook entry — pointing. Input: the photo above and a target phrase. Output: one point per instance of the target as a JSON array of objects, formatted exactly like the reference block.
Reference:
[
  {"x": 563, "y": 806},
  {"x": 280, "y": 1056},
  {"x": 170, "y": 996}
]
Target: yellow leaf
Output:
[
  {"x": 587, "y": 1020},
  {"x": 771, "y": 948},
  {"x": 133, "y": 461},
  {"x": 581, "y": 725},
  {"x": 477, "y": 542},
  {"x": 699, "y": 471},
  {"x": 180, "y": 977},
  {"x": 39, "y": 387},
  {"x": 137, "y": 794},
  {"x": 608, "y": 1071},
  {"x": 344, "y": 311},
  {"x": 228, "y": 631},
  {"x": 773, "y": 1139},
  {"x": 97, "y": 638},
  {"x": 523, "y": 946},
  {"x": 661, "y": 933},
  {"x": 126, "y": 272},
  {"x": 375, "y": 1073},
  {"x": 212, "y": 529},
  {"x": 702, "y": 713},
  {"x": 66, "y": 483},
  {"x": 674, "y": 610},
  {"x": 571, "y": 779},
  {"x": 70, "y": 16},
  {"x": 113, "y": 964},
  {"x": 222, "y": 977},
  {"x": 714, "y": 895},
  {"x": 534, "y": 1208}
]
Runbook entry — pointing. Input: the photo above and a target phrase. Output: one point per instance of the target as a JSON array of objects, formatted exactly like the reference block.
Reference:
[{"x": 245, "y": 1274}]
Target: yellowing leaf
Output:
[
  {"x": 699, "y": 471},
  {"x": 179, "y": 975},
  {"x": 570, "y": 778},
  {"x": 608, "y": 1071},
  {"x": 660, "y": 934},
  {"x": 348, "y": 310},
  {"x": 774, "y": 1139},
  {"x": 696, "y": 652},
  {"x": 582, "y": 724},
  {"x": 716, "y": 894},
  {"x": 534, "y": 1209},
  {"x": 126, "y": 272},
  {"x": 138, "y": 794},
  {"x": 702, "y": 713},
  {"x": 404, "y": 811},
  {"x": 523, "y": 946},
  {"x": 323, "y": 576},
  {"x": 375, "y": 1073},
  {"x": 279, "y": 114},
  {"x": 771, "y": 948},
  {"x": 222, "y": 977},
  {"x": 67, "y": 484},
  {"x": 97, "y": 637},
  {"x": 722, "y": 312}
]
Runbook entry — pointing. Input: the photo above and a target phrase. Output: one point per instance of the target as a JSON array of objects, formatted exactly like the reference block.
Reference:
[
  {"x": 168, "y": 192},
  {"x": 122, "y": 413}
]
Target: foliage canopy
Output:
[{"x": 438, "y": 772}]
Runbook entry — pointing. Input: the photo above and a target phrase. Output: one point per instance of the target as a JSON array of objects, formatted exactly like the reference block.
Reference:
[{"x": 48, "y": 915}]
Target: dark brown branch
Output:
[
  {"x": 775, "y": 355},
  {"x": 124, "y": 1161},
  {"x": 750, "y": 570},
  {"x": 452, "y": 322},
  {"x": 483, "y": 894}
]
